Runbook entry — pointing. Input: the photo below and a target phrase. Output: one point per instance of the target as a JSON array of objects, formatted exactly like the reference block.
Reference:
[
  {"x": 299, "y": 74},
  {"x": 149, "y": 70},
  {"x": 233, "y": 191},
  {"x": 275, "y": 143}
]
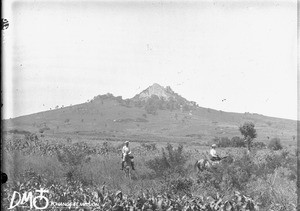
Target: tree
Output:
[
  {"x": 249, "y": 133},
  {"x": 275, "y": 144}
]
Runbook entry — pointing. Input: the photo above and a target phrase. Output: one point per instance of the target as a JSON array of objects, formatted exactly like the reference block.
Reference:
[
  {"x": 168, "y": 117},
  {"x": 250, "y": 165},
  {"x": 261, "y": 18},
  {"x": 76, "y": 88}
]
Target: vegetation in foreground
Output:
[{"x": 165, "y": 178}]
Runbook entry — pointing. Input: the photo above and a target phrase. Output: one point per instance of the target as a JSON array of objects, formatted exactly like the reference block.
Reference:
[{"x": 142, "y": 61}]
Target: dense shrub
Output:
[
  {"x": 222, "y": 142},
  {"x": 229, "y": 175},
  {"x": 210, "y": 178},
  {"x": 107, "y": 147},
  {"x": 171, "y": 161},
  {"x": 275, "y": 144},
  {"x": 237, "y": 142},
  {"x": 258, "y": 145},
  {"x": 226, "y": 142},
  {"x": 180, "y": 186},
  {"x": 31, "y": 137},
  {"x": 274, "y": 191},
  {"x": 149, "y": 147},
  {"x": 275, "y": 160},
  {"x": 72, "y": 159},
  {"x": 16, "y": 131}
]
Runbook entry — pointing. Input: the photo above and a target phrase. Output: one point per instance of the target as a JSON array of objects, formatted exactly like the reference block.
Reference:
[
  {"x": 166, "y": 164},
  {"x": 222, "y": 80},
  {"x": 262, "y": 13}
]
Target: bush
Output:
[
  {"x": 181, "y": 186},
  {"x": 149, "y": 147},
  {"x": 16, "y": 131},
  {"x": 107, "y": 147},
  {"x": 229, "y": 176},
  {"x": 274, "y": 192},
  {"x": 226, "y": 142},
  {"x": 72, "y": 159},
  {"x": 31, "y": 137},
  {"x": 275, "y": 160},
  {"x": 222, "y": 142},
  {"x": 275, "y": 144},
  {"x": 259, "y": 145},
  {"x": 237, "y": 142},
  {"x": 171, "y": 161}
]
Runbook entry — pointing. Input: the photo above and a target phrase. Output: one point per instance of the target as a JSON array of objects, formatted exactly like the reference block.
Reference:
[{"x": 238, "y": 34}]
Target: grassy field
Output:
[
  {"x": 266, "y": 176},
  {"x": 109, "y": 118}
]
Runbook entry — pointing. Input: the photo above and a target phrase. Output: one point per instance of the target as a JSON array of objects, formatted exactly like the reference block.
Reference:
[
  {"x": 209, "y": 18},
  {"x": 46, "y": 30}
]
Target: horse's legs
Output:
[
  {"x": 127, "y": 170},
  {"x": 129, "y": 173}
]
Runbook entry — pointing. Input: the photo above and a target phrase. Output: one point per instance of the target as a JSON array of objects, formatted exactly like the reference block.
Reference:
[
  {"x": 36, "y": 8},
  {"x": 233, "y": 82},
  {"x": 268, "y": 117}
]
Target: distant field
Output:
[{"x": 113, "y": 121}]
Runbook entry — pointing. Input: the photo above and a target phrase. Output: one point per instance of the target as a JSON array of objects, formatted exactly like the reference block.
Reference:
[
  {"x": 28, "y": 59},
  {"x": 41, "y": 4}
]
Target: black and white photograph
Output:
[{"x": 149, "y": 105}]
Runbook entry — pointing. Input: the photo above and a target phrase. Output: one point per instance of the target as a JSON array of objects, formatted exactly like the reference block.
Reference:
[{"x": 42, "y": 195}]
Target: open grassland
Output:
[
  {"x": 164, "y": 173},
  {"x": 110, "y": 118}
]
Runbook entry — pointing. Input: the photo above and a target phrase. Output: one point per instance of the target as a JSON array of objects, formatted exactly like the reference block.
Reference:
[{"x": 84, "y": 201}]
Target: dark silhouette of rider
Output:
[{"x": 125, "y": 152}]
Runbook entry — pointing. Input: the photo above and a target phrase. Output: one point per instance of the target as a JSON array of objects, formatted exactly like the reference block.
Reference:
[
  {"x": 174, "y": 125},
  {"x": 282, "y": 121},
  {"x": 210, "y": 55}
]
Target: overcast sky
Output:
[{"x": 66, "y": 53}]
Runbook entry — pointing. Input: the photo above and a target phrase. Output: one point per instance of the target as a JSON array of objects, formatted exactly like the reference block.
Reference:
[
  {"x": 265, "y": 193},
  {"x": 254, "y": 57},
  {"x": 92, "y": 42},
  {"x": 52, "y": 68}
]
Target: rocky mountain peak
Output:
[
  {"x": 159, "y": 97},
  {"x": 156, "y": 90}
]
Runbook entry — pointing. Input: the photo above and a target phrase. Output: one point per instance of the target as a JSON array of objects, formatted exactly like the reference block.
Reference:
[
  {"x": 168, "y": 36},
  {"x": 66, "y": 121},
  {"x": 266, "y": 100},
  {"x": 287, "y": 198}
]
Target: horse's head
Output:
[{"x": 202, "y": 164}]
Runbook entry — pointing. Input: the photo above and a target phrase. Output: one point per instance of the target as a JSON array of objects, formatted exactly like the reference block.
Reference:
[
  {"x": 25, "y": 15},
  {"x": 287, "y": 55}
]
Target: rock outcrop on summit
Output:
[
  {"x": 157, "y": 97},
  {"x": 162, "y": 93},
  {"x": 155, "y": 89}
]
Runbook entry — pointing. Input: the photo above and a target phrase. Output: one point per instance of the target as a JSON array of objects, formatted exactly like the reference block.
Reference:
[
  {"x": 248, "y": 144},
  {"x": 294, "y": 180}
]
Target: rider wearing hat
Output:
[
  {"x": 126, "y": 151},
  {"x": 213, "y": 153}
]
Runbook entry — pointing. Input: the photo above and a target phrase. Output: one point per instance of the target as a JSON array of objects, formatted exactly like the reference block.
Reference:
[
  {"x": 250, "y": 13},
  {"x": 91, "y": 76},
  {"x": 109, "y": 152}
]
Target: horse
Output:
[
  {"x": 204, "y": 163},
  {"x": 127, "y": 166}
]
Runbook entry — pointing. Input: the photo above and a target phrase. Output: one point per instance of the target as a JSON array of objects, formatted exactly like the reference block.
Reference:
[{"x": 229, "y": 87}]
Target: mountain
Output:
[
  {"x": 164, "y": 98},
  {"x": 157, "y": 90},
  {"x": 155, "y": 114},
  {"x": 161, "y": 92}
]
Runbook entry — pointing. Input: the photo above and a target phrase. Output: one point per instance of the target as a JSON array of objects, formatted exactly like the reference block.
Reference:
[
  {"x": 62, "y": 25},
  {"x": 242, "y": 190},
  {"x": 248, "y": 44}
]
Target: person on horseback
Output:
[
  {"x": 213, "y": 153},
  {"x": 126, "y": 152}
]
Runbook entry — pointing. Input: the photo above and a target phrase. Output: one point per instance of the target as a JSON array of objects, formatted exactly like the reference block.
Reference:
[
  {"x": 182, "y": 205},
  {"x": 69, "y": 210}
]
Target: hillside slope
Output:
[{"x": 111, "y": 116}]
